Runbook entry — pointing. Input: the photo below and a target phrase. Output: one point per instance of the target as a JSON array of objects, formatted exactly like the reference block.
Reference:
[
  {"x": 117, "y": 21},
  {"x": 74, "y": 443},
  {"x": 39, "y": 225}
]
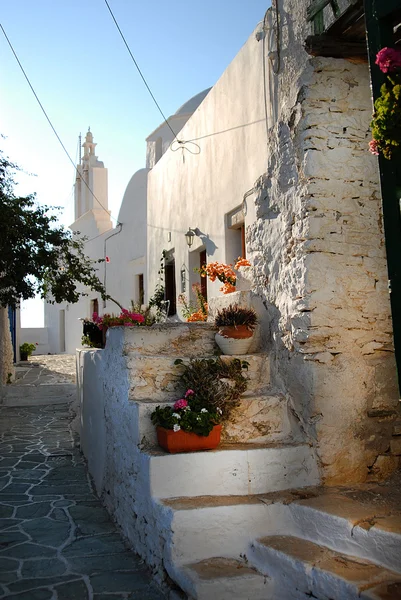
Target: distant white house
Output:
[{"x": 125, "y": 245}]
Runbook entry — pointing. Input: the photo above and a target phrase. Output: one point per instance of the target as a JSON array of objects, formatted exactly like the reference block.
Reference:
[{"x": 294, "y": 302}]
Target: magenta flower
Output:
[
  {"x": 373, "y": 148},
  {"x": 189, "y": 393},
  {"x": 182, "y": 403},
  {"x": 388, "y": 59}
]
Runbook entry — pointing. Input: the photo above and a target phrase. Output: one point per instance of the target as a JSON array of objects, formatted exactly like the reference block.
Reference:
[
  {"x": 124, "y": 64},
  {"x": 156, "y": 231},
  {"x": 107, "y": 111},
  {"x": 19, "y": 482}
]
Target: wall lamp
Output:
[{"x": 189, "y": 236}]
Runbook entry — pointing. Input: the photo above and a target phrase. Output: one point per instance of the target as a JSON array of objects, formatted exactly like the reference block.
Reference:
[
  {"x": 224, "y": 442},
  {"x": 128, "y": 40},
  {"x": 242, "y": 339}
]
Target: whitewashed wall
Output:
[
  {"x": 318, "y": 250},
  {"x": 314, "y": 233},
  {"x": 35, "y": 335},
  {"x": 196, "y": 187}
]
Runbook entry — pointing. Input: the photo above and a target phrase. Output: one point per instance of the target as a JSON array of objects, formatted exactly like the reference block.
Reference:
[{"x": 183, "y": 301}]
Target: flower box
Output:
[{"x": 184, "y": 441}]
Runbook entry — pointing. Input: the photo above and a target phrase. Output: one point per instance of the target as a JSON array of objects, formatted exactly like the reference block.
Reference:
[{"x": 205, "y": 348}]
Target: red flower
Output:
[{"x": 107, "y": 259}]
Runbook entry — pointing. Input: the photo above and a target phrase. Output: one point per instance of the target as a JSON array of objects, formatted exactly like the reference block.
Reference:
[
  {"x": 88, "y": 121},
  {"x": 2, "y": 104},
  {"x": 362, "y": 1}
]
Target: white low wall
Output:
[{"x": 35, "y": 335}]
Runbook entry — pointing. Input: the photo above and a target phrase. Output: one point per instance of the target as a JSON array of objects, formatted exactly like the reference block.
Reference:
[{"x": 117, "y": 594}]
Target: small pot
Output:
[
  {"x": 184, "y": 441},
  {"x": 23, "y": 356},
  {"x": 234, "y": 339}
]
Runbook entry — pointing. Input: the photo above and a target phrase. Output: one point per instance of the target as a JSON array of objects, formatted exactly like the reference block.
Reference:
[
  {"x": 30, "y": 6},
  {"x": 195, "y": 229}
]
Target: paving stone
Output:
[
  {"x": 105, "y": 544},
  {"x": 63, "y": 503},
  {"x": 9, "y": 577},
  {"x": 58, "y": 514},
  {"x": 5, "y": 523},
  {"x": 47, "y": 532},
  {"x": 102, "y": 564},
  {"x": 34, "y": 510},
  {"x": 120, "y": 582},
  {"x": 43, "y": 567},
  {"x": 6, "y": 511},
  {"x": 28, "y": 584},
  {"x": 28, "y": 550},
  {"x": 42, "y": 594},
  {"x": 75, "y": 589},
  {"x": 31, "y": 474},
  {"x": 10, "y": 538},
  {"x": 8, "y": 564},
  {"x": 16, "y": 488}
]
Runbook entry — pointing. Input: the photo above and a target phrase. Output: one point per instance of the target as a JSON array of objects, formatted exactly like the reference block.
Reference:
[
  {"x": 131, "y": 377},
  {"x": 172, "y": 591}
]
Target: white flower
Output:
[
  {"x": 219, "y": 411},
  {"x": 176, "y": 415},
  {"x": 198, "y": 418},
  {"x": 176, "y": 428},
  {"x": 204, "y": 410}
]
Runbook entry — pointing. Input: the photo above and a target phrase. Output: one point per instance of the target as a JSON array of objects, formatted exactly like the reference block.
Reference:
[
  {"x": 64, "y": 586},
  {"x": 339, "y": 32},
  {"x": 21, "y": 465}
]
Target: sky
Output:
[{"x": 83, "y": 75}]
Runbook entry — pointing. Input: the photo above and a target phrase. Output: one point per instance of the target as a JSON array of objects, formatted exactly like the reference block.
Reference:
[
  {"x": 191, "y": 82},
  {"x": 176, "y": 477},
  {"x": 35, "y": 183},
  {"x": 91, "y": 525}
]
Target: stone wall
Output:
[{"x": 318, "y": 251}]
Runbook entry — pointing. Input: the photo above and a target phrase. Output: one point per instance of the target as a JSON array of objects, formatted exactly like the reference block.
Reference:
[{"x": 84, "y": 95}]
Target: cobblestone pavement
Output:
[
  {"x": 57, "y": 542},
  {"x": 46, "y": 369}
]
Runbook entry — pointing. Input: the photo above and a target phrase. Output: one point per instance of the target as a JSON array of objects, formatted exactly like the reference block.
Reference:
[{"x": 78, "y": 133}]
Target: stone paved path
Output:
[
  {"x": 46, "y": 369},
  {"x": 57, "y": 542}
]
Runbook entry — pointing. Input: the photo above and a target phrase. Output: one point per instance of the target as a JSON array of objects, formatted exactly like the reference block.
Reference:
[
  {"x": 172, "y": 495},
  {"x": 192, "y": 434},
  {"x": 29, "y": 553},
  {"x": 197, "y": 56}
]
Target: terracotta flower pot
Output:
[
  {"x": 184, "y": 441},
  {"x": 234, "y": 340}
]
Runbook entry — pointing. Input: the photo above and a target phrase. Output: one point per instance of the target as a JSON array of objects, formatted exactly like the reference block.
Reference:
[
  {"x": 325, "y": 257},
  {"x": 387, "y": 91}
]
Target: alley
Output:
[{"x": 57, "y": 541}]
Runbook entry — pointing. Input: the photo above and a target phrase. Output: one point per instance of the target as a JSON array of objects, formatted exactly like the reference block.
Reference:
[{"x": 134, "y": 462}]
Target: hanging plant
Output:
[{"x": 386, "y": 123}]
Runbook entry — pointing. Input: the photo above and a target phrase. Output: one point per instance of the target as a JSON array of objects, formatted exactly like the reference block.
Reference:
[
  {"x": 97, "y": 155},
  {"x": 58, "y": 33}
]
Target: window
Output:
[
  {"x": 94, "y": 307},
  {"x": 141, "y": 290}
]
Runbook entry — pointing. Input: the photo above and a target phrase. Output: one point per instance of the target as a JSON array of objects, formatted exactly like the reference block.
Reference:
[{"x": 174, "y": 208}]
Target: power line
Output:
[
  {"x": 140, "y": 72},
  {"x": 51, "y": 124}
]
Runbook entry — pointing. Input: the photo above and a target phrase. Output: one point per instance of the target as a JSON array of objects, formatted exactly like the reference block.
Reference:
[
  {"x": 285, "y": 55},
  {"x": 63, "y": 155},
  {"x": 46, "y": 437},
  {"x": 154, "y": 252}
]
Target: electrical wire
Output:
[
  {"x": 140, "y": 72},
  {"x": 51, "y": 124}
]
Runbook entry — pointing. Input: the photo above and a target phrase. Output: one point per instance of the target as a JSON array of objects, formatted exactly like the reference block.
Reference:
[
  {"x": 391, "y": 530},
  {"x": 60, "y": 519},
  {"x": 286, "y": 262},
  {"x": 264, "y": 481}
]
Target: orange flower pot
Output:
[{"x": 184, "y": 441}]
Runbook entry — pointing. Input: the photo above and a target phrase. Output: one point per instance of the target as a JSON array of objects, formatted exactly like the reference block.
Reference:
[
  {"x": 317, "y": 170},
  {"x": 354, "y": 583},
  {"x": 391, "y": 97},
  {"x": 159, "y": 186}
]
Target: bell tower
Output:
[{"x": 91, "y": 187}]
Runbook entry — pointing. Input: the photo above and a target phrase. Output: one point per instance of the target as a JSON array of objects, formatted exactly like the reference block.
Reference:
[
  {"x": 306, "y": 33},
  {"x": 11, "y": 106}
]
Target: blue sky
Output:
[{"x": 84, "y": 76}]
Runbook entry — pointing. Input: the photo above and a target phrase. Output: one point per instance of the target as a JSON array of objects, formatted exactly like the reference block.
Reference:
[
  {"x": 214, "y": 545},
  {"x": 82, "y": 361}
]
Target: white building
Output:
[
  {"x": 272, "y": 162},
  {"x": 125, "y": 272}
]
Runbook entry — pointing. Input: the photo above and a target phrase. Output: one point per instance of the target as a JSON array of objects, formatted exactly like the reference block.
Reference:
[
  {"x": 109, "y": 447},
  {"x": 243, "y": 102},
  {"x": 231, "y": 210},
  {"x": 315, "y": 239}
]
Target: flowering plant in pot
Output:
[
  {"x": 224, "y": 273},
  {"x": 193, "y": 422},
  {"x": 194, "y": 311},
  {"x": 236, "y": 325},
  {"x": 26, "y": 350},
  {"x": 386, "y": 123}
]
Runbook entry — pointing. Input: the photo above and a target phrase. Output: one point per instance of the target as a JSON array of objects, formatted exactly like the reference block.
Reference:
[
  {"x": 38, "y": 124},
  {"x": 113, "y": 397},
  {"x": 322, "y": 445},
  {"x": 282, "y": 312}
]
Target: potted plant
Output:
[
  {"x": 236, "y": 325},
  {"x": 214, "y": 388},
  {"x": 26, "y": 350},
  {"x": 188, "y": 425}
]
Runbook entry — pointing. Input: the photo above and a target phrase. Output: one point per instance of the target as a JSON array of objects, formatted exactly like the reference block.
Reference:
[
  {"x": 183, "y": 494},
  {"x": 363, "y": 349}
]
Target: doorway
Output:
[
  {"x": 169, "y": 275},
  {"x": 203, "y": 280}
]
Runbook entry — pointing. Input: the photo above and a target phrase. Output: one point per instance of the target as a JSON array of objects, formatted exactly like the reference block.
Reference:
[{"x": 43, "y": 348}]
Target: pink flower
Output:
[
  {"x": 129, "y": 324},
  {"x": 388, "y": 59},
  {"x": 124, "y": 311},
  {"x": 137, "y": 317},
  {"x": 189, "y": 393},
  {"x": 182, "y": 403},
  {"x": 373, "y": 147}
]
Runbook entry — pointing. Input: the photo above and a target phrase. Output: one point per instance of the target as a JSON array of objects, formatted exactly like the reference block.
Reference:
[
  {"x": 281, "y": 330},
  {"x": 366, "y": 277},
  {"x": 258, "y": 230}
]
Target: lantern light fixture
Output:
[{"x": 189, "y": 236}]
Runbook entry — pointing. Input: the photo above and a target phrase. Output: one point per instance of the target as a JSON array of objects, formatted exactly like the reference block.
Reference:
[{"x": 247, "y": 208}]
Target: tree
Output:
[{"x": 37, "y": 255}]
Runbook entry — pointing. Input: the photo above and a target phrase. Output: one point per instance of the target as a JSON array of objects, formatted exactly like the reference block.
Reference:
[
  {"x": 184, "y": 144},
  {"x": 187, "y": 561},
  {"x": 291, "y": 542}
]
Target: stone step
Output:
[
  {"x": 221, "y": 579},
  {"x": 36, "y": 395},
  {"x": 208, "y": 526},
  {"x": 365, "y": 529},
  {"x": 239, "y": 469},
  {"x": 257, "y": 420},
  {"x": 171, "y": 339},
  {"x": 156, "y": 376},
  {"x": 302, "y": 569}
]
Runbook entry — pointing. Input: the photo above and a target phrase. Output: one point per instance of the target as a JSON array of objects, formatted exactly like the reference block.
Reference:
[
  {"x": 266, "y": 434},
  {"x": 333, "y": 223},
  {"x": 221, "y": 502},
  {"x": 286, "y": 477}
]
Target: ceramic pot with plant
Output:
[
  {"x": 214, "y": 388},
  {"x": 236, "y": 326},
  {"x": 26, "y": 350},
  {"x": 187, "y": 426}
]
